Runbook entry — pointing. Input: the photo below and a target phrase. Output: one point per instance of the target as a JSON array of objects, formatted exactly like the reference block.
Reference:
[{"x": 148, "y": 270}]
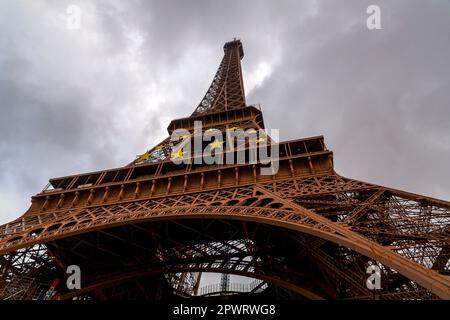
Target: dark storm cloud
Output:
[
  {"x": 381, "y": 98},
  {"x": 73, "y": 101}
]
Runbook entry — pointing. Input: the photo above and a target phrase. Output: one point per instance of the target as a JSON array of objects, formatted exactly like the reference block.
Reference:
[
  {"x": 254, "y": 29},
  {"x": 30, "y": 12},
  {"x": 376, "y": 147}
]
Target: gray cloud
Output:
[{"x": 75, "y": 101}]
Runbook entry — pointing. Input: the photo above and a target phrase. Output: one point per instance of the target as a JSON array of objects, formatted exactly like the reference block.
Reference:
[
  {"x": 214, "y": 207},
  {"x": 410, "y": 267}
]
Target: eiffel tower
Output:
[{"x": 151, "y": 229}]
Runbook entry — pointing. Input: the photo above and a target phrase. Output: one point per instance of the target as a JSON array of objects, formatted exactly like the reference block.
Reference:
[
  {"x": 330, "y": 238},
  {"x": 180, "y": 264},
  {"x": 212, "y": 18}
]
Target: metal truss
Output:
[
  {"x": 413, "y": 250},
  {"x": 150, "y": 229}
]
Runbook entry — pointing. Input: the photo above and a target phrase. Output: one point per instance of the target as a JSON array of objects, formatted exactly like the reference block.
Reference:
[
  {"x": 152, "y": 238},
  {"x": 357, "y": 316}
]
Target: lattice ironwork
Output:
[{"x": 150, "y": 229}]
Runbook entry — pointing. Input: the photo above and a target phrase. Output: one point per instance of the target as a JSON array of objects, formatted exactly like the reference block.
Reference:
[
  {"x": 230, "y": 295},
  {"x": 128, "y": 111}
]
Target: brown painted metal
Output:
[{"x": 155, "y": 224}]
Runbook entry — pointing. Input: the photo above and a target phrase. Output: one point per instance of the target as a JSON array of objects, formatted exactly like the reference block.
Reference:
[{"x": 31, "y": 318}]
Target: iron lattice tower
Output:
[{"x": 149, "y": 229}]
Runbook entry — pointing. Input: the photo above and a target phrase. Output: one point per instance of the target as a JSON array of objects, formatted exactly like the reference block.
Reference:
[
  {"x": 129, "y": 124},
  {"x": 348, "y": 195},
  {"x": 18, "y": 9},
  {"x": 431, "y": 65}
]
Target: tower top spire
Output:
[
  {"x": 235, "y": 43},
  {"x": 226, "y": 91}
]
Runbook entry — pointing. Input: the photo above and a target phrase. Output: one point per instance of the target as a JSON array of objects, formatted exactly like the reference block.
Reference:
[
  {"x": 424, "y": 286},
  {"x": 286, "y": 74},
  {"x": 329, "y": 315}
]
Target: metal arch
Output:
[
  {"x": 407, "y": 232},
  {"x": 297, "y": 218},
  {"x": 114, "y": 278}
]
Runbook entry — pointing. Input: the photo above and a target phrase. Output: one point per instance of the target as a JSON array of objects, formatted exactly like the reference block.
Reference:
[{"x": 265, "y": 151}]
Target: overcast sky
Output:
[{"x": 73, "y": 101}]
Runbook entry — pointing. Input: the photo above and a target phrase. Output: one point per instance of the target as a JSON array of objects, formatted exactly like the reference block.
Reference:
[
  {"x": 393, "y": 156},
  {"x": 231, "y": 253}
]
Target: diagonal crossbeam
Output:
[
  {"x": 429, "y": 279},
  {"x": 358, "y": 211}
]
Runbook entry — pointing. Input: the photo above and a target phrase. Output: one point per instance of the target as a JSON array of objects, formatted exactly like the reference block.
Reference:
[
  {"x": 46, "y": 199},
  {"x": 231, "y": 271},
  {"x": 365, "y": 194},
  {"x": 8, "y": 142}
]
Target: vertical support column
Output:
[
  {"x": 152, "y": 190},
  {"x": 75, "y": 199},
  {"x": 219, "y": 178},
  {"x": 185, "y": 182},
  {"x": 202, "y": 180},
  {"x": 122, "y": 190},
  {"x": 61, "y": 201},
  {"x": 106, "y": 194},
  {"x": 137, "y": 190},
  {"x": 91, "y": 196},
  {"x": 169, "y": 185}
]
